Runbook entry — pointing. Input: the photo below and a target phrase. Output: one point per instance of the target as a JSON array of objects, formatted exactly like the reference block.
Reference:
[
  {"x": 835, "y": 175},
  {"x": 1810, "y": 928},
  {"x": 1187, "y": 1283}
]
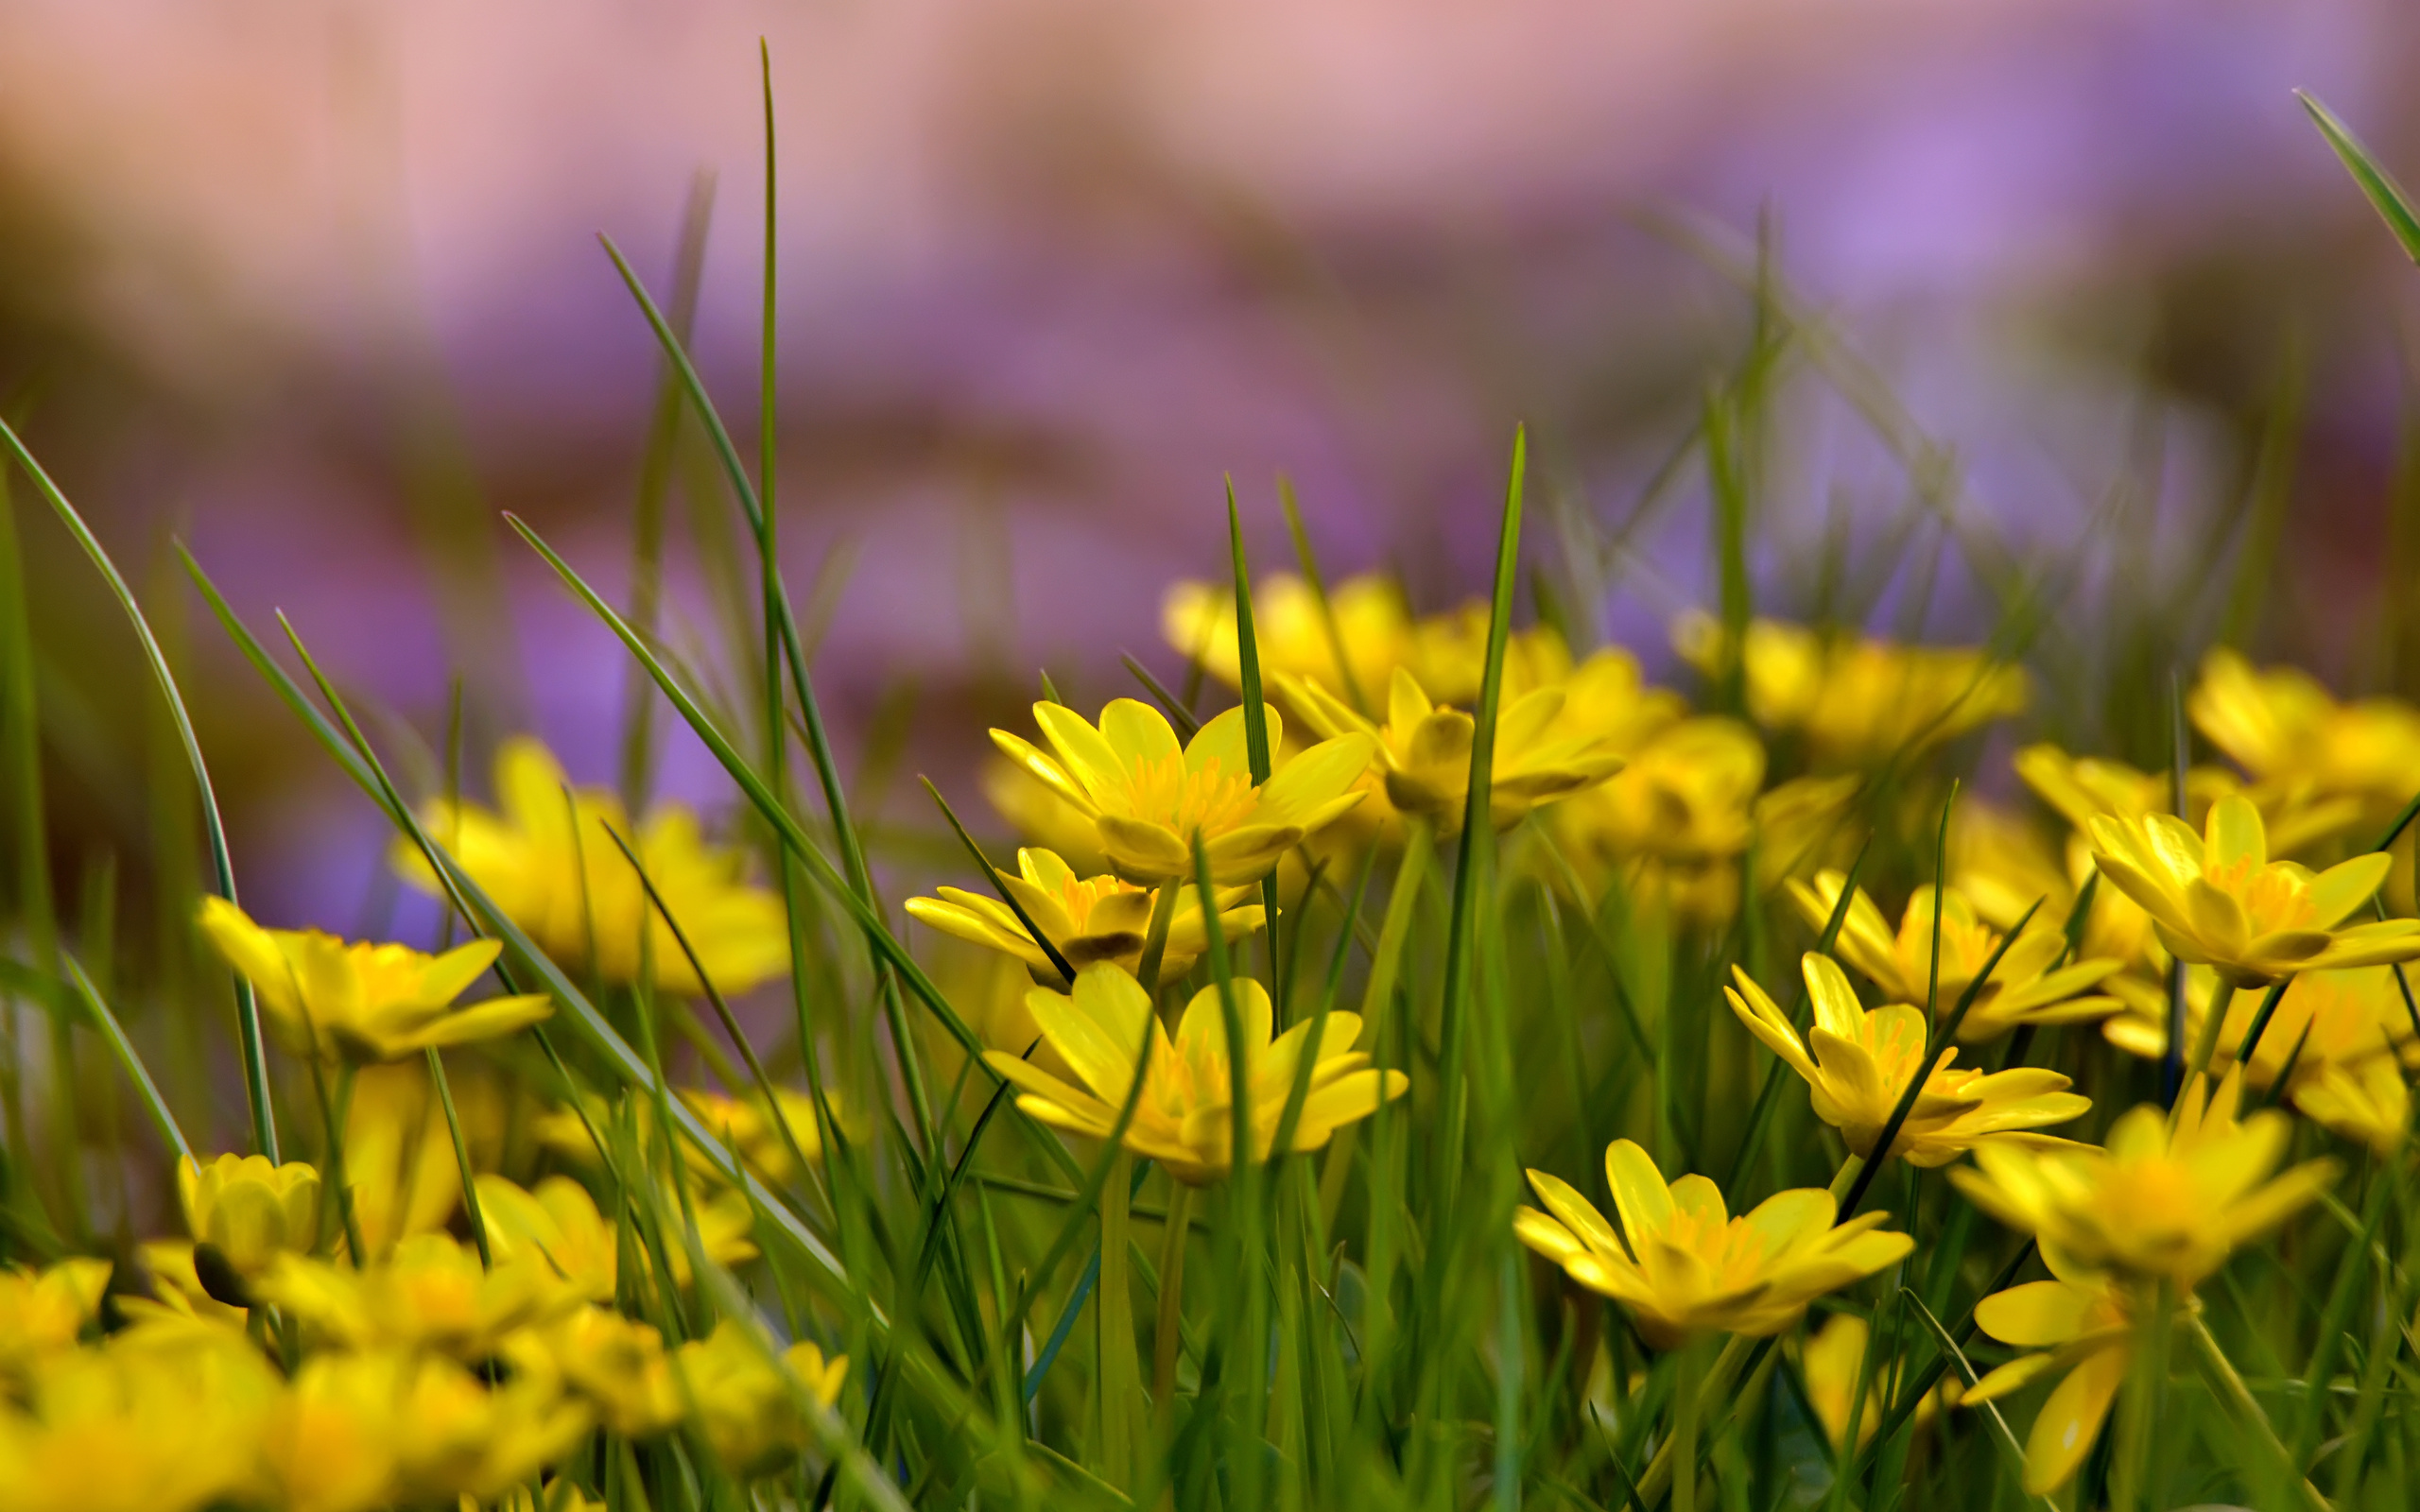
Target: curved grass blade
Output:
[
  {"x": 135, "y": 1070},
  {"x": 1058, "y": 961},
  {"x": 2393, "y": 205},
  {"x": 248, "y": 1013}
]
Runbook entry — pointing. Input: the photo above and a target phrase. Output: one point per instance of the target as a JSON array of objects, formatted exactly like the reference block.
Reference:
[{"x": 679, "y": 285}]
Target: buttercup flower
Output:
[
  {"x": 431, "y": 1293},
  {"x": 617, "y": 1366},
  {"x": 2080, "y": 1323},
  {"x": 2158, "y": 1203},
  {"x": 2023, "y": 989},
  {"x": 399, "y": 1155},
  {"x": 557, "y": 1221},
  {"x": 1691, "y": 1268},
  {"x": 1424, "y": 750},
  {"x": 2003, "y": 865},
  {"x": 360, "y": 1002},
  {"x": 1676, "y": 819},
  {"x": 42, "y": 1311},
  {"x": 1290, "y": 636},
  {"x": 1857, "y": 702},
  {"x": 1184, "y": 1117},
  {"x": 2218, "y": 901},
  {"x": 547, "y": 857},
  {"x": 1151, "y": 799},
  {"x": 2325, "y": 1020},
  {"x": 756, "y": 1129},
  {"x": 1829, "y": 1364},
  {"x": 364, "y": 1431},
  {"x": 1087, "y": 918},
  {"x": 748, "y": 1406},
  {"x": 2370, "y": 1103},
  {"x": 250, "y": 1210},
  {"x": 2083, "y": 788},
  {"x": 2285, "y": 728},
  {"x": 155, "y": 1419},
  {"x": 1860, "y": 1062}
]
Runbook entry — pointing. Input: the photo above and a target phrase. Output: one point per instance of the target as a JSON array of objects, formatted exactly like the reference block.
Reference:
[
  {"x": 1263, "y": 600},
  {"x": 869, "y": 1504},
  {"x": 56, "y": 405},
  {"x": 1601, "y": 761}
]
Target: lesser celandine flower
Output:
[
  {"x": 1676, "y": 819},
  {"x": 1856, "y": 1064},
  {"x": 2369, "y": 1103},
  {"x": 2218, "y": 901},
  {"x": 547, "y": 856},
  {"x": 430, "y": 1293},
  {"x": 2160, "y": 1203},
  {"x": 154, "y": 1420},
  {"x": 618, "y": 1366},
  {"x": 1086, "y": 919},
  {"x": 1424, "y": 750},
  {"x": 2005, "y": 865},
  {"x": 249, "y": 1210},
  {"x": 1829, "y": 1364},
  {"x": 1689, "y": 1267},
  {"x": 756, "y": 1131},
  {"x": 2327, "y": 1021},
  {"x": 41, "y": 1310},
  {"x": 2026, "y": 987},
  {"x": 2081, "y": 1325},
  {"x": 1857, "y": 702},
  {"x": 1290, "y": 636},
  {"x": 361, "y": 1001},
  {"x": 1185, "y": 1118},
  {"x": 2287, "y": 729},
  {"x": 748, "y": 1405},
  {"x": 368, "y": 1430},
  {"x": 2083, "y": 788},
  {"x": 399, "y": 1154},
  {"x": 1151, "y": 799}
]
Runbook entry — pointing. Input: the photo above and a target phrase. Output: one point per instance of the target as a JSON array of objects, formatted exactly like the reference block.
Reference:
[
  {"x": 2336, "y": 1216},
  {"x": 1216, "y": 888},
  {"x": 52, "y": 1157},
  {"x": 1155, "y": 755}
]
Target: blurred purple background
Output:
[{"x": 315, "y": 286}]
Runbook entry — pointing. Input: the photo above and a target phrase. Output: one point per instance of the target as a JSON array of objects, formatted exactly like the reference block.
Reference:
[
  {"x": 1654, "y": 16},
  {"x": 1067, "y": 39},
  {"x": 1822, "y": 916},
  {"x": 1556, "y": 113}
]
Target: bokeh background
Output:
[{"x": 315, "y": 287}]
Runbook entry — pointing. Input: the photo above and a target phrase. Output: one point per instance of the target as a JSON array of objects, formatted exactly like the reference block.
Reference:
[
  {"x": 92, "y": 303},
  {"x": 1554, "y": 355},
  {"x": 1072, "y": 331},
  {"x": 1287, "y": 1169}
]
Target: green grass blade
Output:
[
  {"x": 123, "y": 1048},
  {"x": 2386, "y": 196},
  {"x": 248, "y": 1017}
]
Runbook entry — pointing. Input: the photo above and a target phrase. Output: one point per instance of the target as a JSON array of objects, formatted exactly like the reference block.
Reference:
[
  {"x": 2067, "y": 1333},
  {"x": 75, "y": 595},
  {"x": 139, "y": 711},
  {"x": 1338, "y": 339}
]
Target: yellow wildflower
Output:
[
  {"x": 1038, "y": 814},
  {"x": 42, "y": 1311},
  {"x": 399, "y": 1155},
  {"x": 2370, "y": 1103},
  {"x": 1829, "y": 1364},
  {"x": 2083, "y": 788},
  {"x": 1289, "y": 633},
  {"x": 1185, "y": 1118},
  {"x": 547, "y": 858},
  {"x": 617, "y": 1366},
  {"x": 363, "y": 1431},
  {"x": 152, "y": 1420},
  {"x": 250, "y": 1210},
  {"x": 2080, "y": 1323},
  {"x": 1860, "y": 1062},
  {"x": 1803, "y": 825},
  {"x": 2159, "y": 1202},
  {"x": 176, "y": 1287},
  {"x": 1424, "y": 750},
  {"x": 1087, "y": 918},
  {"x": 748, "y": 1124},
  {"x": 2326, "y": 1019},
  {"x": 557, "y": 1220},
  {"x": 1151, "y": 799},
  {"x": 2284, "y": 727},
  {"x": 2003, "y": 863},
  {"x": 1857, "y": 702},
  {"x": 431, "y": 1293},
  {"x": 2218, "y": 901},
  {"x": 1676, "y": 819},
  {"x": 1690, "y": 1267},
  {"x": 2027, "y": 987},
  {"x": 753, "y": 1408},
  {"x": 358, "y": 1000}
]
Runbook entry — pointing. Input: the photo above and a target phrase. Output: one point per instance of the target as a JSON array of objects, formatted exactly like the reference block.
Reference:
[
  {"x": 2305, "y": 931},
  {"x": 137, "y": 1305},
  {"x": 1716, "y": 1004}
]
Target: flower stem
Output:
[
  {"x": 1155, "y": 943},
  {"x": 2206, "y": 1044},
  {"x": 1684, "y": 1427},
  {"x": 1848, "y": 1175},
  {"x": 1116, "y": 1317},
  {"x": 1717, "y": 1380},
  {"x": 1167, "y": 1333},
  {"x": 2230, "y": 1386}
]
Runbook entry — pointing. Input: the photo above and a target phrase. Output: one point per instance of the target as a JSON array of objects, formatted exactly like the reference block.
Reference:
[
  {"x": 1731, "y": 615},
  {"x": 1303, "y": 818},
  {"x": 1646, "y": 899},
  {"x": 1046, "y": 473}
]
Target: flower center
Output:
[
  {"x": 2275, "y": 898},
  {"x": 1209, "y": 802},
  {"x": 1081, "y": 895}
]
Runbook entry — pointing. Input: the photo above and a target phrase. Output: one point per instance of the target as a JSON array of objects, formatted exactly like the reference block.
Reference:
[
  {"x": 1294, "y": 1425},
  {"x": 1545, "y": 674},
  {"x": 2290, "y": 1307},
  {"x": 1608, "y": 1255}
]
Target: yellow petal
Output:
[{"x": 2070, "y": 1419}]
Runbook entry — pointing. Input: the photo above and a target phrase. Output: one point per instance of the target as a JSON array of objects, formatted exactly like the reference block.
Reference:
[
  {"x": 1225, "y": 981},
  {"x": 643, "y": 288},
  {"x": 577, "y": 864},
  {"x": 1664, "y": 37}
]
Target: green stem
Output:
[
  {"x": 1116, "y": 1382},
  {"x": 1155, "y": 942},
  {"x": 2206, "y": 1044},
  {"x": 1847, "y": 1176},
  {"x": 1684, "y": 1427},
  {"x": 1717, "y": 1381},
  {"x": 1168, "y": 1333},
  {"x": 2221, "y": 1373}
]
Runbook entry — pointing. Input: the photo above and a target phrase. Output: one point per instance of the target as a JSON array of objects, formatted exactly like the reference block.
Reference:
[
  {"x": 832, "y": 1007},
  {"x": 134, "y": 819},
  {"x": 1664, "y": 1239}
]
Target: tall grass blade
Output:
[{"x": 2389, "y": 198}]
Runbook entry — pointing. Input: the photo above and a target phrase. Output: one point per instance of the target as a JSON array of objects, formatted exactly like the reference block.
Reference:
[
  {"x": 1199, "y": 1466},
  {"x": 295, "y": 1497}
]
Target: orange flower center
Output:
[
  {"x": 1079, "y": 896},
  {"x": 1208, "y": 802},
  {"x": 2274, "y": 897}
]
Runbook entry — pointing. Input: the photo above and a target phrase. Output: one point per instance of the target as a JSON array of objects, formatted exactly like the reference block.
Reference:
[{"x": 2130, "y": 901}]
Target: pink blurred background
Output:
[{"x": 316, "y": 287}]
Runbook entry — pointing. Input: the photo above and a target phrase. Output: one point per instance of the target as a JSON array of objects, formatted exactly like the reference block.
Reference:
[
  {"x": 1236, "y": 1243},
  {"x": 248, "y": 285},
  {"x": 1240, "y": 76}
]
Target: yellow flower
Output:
[
  {"x": 250, "y": 1210},
  {"x": 2003, "y": 865},
  {"x": 555, "y": 1496},
  {"x": 430, "y": 1293},
  {"x": 1038, "y": 814},
  {"x": 547, "y": 857},
  {"x": 1424, "y": 750},
  {"x": 749, "y": 1125},
  {"x": 153, "y": 1420},
  {"x": 2024, "y": 986},
  {"x": 1185, "y": 1118},
  {"x": 176, "y": 1287},
  {"x": 2158, "y": 1203},
  {"x": 1803, "y": 825},
  {"x": 1860, "y": 1062},
  {"x": 1690, "y": 1267},
  {"x": 749, "y": 1407},
  {"x": 1151, "y": 799},
  {"x": 42, "y": 1311},
  {"x": 1289, "y": 633},
  {"x": 1857, "y": 702},
  {"x": 1088, "y": 919},
  {"x": 2083, "y": 788},
  {"x": 1829, "y": 1364},
  {"x": 557, "y": 1220},
  {"x": 2327, "y": 1021},
  {"x": 2080, "y": 1323},
  {"x": 2218, "y": 901},
  {"x": 399, "y": 1155},
  {"x": 363, "y": 1002},
  {"x": 363, "y": 1431},
  {"x": 617, "y": 1366},
  {"x": 2284, "y": 727},
  {"x": 1675, "y": 820},
  {"x": 2371, "y": 1101}
]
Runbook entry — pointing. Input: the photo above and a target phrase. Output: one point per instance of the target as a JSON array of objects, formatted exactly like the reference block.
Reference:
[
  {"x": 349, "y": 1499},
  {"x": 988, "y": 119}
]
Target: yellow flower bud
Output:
[{"x": 249, "y": 1210}]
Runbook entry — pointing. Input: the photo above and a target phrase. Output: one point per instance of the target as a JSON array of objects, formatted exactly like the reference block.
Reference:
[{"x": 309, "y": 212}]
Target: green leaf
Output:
[{"x": 2386, "y": 196}]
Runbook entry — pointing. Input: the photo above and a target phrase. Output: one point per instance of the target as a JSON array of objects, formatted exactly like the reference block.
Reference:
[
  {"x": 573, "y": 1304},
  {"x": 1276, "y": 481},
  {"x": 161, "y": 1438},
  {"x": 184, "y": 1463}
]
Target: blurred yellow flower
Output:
[
  {"x": 152, "y": 1420},
  {"x": 2083, "y": 788},
  {"x": 1829, "y": 1364},
  {"x": 2024, "y": 987},
  {"x": 1673, "y": 821},
  {"x": 1424, "y": 750},
  {"x": 1691, "y": 1268},
  {"x": 2218, "y": 901},
  {"x": 363, "y": 1002},
  {"x": 250, "y": 1210},
  {"x": 617, "y": 1366},
  {"x": 555, "y": 1496},
  {"x": 2003, "y": 863},
  {"x": 1289, "y": 634},
  {"x": 1803, "y": 825},
  {"x": 558, "y": 1222},
  {"x": 364, "y": 1431},
  {"x": 751, "y": 1407},
  {"x": 1151, "y": 799},
  {"x": 2327, "y": 1021},
  {"x": 399, "y": 1155},
  {"x": 1860, "y": 1062},
  {"x": 545, "y": 857},
  {"x": 2080, "y": 1323},
  {"x": 1040, "y": 815},
  {"x": 430, "y": 1293},
  {"x": 755, "y": 1129},
  {"x": 2283, "y": 728},
  {"x": 1857, "y": 702},
  {"x": 1086, "y": 918},
  {"x": 41, "y": 1310},
  {"x": 1185, "y": 1118},
  {"x": 2158, "y": 1202}
]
